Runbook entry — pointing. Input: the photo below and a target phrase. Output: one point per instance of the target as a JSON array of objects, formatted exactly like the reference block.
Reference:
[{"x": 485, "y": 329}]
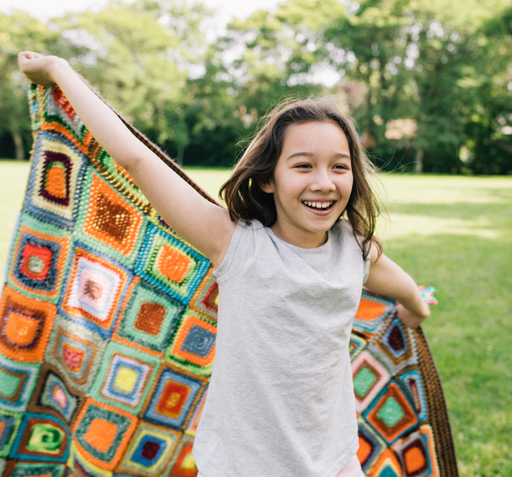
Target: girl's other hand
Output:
[
  {"x": 37, "y": 68},
  {"x": 410, "y": 319}
]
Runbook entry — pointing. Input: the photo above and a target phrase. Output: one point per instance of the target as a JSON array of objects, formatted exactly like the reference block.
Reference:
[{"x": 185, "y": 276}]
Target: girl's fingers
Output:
[
  {"x": 408, "y": 318},
  {"x": 25, "y": 56},
  {"x": 35, "y": 67}
]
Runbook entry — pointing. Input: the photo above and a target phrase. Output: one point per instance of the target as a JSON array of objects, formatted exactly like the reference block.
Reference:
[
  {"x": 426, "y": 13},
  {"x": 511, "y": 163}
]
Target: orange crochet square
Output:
[
  {"x": 369, "y": 310},
  {"x": 414, "y": 460},
  {"x": 55, "y": 181},
  {"x": 20, "y": 328},
  {"x": 25, "y": 326},
  {"x": 173, "y": 264},
  {"x": 101, "y": 434},
  {"x": 111, "y": 218}
]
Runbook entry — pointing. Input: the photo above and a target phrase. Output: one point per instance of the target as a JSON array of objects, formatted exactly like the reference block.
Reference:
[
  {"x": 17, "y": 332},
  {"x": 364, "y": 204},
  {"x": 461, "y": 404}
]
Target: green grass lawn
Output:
[{"x": 454, "y": 233}]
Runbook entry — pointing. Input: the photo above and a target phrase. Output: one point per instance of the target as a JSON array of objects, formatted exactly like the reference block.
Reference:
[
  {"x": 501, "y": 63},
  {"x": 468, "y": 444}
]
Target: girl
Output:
[{"x": 291, "y": 253}]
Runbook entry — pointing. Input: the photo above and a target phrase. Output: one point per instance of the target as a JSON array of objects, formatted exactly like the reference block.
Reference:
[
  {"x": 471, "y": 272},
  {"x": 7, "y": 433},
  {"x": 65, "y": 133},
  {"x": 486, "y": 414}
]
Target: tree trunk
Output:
[
  {"x": 18, "y": 143},
  {"x": 418, "y": 160}
]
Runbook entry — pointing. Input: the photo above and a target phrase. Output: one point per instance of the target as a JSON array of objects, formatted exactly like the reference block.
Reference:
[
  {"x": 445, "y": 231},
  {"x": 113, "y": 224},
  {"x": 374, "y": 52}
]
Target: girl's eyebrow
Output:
[{"x": 337, "y": 155}]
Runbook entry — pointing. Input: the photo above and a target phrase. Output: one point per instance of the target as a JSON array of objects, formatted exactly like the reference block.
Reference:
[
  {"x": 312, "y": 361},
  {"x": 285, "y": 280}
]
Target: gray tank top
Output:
[{"x": 280, "y": 401}]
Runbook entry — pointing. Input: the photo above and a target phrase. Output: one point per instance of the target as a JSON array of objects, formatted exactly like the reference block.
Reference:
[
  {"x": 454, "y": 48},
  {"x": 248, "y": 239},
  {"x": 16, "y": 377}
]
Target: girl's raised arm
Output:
[
  {"x": 387, "y": 278},
  {"x": 206, "y": 226}
]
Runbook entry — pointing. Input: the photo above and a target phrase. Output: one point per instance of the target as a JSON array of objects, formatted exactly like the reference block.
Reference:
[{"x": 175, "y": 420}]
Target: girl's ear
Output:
[{"x": 268, "y": 186}]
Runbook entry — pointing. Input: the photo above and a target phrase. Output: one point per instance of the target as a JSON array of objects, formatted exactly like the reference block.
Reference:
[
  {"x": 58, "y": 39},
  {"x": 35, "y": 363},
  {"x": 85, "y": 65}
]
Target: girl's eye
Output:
[
  {"x": 303, "y": 166},
  {"x": 341, "y": 167}
]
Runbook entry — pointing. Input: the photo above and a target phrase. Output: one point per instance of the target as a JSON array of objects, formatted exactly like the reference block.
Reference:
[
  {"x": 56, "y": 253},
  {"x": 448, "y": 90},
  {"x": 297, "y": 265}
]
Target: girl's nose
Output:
[{"x": 322, "y": 181}]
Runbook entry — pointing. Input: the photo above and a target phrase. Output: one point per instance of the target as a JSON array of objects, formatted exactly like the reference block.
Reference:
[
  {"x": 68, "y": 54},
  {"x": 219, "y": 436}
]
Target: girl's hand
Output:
[
  {"x": 38, "y": 68},
  {"x": 410, "y": 319}
]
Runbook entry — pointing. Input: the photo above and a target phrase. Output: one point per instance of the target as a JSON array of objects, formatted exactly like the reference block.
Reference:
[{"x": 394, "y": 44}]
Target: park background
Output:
[{"x": 430, "y": 86}]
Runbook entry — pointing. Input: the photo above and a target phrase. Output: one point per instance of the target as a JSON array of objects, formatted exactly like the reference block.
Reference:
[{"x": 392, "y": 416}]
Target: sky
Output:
[{"x": 45, "y": 9}]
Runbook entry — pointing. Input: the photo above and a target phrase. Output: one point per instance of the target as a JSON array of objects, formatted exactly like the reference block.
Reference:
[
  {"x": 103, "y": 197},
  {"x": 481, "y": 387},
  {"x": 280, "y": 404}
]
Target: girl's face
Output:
[{"x": 312, "y": 182}]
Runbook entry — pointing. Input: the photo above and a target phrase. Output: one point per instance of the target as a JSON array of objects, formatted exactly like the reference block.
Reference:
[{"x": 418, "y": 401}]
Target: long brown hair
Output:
[{"x": 246, "y": 200}]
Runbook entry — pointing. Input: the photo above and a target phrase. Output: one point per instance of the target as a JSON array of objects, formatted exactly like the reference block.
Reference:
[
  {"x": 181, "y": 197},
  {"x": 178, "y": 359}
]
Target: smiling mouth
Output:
[{"x": 319, "y": 205}]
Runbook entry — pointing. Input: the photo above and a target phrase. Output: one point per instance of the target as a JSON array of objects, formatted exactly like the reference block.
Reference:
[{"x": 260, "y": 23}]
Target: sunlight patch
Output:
[{"x": 401, "y": 225}]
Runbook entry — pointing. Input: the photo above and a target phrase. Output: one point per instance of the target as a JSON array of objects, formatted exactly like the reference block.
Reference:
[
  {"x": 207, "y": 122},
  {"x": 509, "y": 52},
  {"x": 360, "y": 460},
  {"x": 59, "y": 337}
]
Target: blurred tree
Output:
[
  {"x": 489, "y": 130},
  {"x": 407, "y": 69},
  {"x": 271, "y": 56},
  {"x": 18, "y": 32},
  {"x": 414, "y": 59},
  {"x": 213, "y": 118},
  {"x": 140, "y": 55},
  {"x": 369, "y": 45},
  {"x": 449, "y": 73},
  {"x": 440, "y": 103},
  {"x": 428, "y": 82}
]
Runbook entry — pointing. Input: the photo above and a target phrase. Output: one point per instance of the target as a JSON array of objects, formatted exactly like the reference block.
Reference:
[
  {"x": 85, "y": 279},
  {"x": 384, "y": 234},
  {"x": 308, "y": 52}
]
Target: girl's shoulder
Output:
[
  {"x": 344, "y": 230},
  {"x": 253, "y": 224},
  {"x": 241, "y": 249}
]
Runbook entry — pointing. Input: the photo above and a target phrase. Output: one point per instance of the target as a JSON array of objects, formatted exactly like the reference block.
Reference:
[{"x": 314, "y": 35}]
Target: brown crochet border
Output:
[{"x": 437, "y": 410}]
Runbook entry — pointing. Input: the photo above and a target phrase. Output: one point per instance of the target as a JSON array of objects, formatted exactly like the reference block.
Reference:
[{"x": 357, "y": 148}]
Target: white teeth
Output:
[{"x": 318, "y": 205}]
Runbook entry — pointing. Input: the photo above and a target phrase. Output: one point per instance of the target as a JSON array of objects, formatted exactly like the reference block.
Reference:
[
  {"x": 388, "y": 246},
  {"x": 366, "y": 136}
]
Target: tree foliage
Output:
[
  {"x": 138, "y": 56},
  {"x": 429, "y": 83},
  {"x": 19, "y": 32}
]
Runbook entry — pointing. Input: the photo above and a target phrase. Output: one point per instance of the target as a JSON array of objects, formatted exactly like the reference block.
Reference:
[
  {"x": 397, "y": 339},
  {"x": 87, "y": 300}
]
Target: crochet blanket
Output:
[{"x": 107, "y": 332}]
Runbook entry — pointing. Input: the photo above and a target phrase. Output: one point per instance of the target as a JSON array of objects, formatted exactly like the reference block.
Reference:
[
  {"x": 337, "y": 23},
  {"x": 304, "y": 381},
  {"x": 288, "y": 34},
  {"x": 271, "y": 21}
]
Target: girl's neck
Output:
[{"x": 298, "y": 239}]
